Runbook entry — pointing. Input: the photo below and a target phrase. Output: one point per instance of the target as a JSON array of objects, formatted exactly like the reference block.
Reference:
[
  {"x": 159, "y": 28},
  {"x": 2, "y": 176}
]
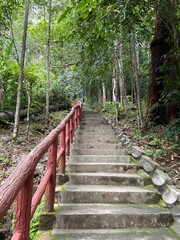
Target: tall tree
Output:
[
  {"x": 121, "y": 76},
  {"x": 48, "y": 64},
  {"x": 164, "y": 84},
  {"x": 20, "y": 80},
  {"x": 135, "y": 69}
]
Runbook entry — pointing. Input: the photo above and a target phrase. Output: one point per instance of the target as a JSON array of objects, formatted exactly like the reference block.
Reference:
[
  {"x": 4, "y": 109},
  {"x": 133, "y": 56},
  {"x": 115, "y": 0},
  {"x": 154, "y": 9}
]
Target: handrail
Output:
[{"x": 19, "y": 185}]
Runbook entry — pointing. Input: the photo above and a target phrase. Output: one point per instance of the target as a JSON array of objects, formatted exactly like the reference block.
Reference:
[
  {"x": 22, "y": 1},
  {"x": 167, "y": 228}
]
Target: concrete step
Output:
[
  {"x": 107, "y": 194},
  {"x": 98, "y": 133},
  {"x": 104, "y": 167},
  {"x": 94, "y": 128},
  {"x": 92, "y": 121},
  {"x": 111, "y": 216},
  {"x": 103, "y": 129},
  {"x": 115, "y": 234},
  {"x": 97, "y": 137},
  {"x": 93, "y": 116},
  {"x": 92, "y": 145},
  {"x": 89, "y": 113},
  {"x": 100, "y": 158},
  {"x": 100, "y": 178},
  {"x": 79, "y": 140},
  {"x": 90, "y": 151}
]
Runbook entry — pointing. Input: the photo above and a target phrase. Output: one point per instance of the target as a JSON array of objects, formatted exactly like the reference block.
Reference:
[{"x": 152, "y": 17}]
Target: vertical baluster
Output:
[
  {"x": 78, "y": 116},
  {"x": 23, "y": 211},
  {"x": 71, "y": 129},
  {"x": 68, "y": 137},
  {"x": 50, "y": 189},
  {"x": 63, "y": 149},
  {"x": 75, "y": 119}
]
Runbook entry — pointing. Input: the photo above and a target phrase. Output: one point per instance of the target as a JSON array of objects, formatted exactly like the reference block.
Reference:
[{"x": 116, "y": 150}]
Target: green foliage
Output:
[
  {"x": 37, "y": 127},
  {"x": 35, "y": 220},
  {"x": 110, "y": 108},
  {"x": 173, "y": 129},
  {"x": 4, "y": 159},
  {"x": 9, "y": 78},
  {"x": 82, "y": 50}
]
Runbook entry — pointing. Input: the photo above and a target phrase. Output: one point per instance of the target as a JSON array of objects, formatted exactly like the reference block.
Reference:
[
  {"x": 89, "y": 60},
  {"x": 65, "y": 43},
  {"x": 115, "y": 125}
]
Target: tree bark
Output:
[
  {"x": 163, "y": 78},
  {"x": 20, "y": 80},
  {"x": 136, "y": 77},
  {"x": 103, "y": 93},
  {"x": 113, "y": 85},
  {"x": 116, "y": 92},
  {"x": 121, "y": 77},
  {"x": 29, "y": 90},
  {"x": 48, "y": 65}
]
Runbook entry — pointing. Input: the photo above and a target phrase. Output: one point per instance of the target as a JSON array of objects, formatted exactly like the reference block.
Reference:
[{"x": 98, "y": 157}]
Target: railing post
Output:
[
  {"x": 63, "y": 149},
  {"x": 68, "y": 137},
  {"x": 23, "y": 211},
  {"x": 75, "y": 119},
  {"x": 71, "y": 129},
  {"x": 50, "y": 189},
  {"x": 78, "y": 116},
  {"x": 80, "y": 113}
]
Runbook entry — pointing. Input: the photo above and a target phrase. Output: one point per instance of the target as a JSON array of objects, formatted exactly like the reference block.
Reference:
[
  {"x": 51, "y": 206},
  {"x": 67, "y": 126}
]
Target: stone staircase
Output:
[{"x": 108, "y": 195}]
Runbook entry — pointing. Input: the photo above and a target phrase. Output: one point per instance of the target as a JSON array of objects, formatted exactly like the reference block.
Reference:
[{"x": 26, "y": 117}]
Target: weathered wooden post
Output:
[
  {"x": 63, "y": 150},
  {"x": 75, "y": 119},
  {"x": 78, "y": 116},
  {"x": 71, "y": 129},
  {"x": 50, "y": 189},
  {"x": 23, "y": 211},
  {"x": 68, "y": 137}
]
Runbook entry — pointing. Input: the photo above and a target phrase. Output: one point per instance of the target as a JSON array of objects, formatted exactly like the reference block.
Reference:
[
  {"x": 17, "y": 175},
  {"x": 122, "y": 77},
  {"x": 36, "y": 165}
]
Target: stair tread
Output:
[
  {"x": 108, "y": 208},
  {"x": 115, "y": 234},
  {"x": 105, "y": 188},
  {"x": 103, "y": 163},
  {"x": 105, "y": 157},
  {"x": 105, "y": 174}
]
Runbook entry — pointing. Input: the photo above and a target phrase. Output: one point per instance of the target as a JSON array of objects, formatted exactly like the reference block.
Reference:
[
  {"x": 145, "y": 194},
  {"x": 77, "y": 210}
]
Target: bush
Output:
[
  {"x": 110, "y": 108},
  {"x": 35, "y": 220}
]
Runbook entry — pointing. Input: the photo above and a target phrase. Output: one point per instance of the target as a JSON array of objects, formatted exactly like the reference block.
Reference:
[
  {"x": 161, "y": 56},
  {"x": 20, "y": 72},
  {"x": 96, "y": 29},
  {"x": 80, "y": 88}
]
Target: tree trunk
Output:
[
  {"x": 136, "y": 77},
  {"x": 48, "y": 65},
  {"x": 116, "y": 91},
  {"x": 100, "y": 97},
  {"x": 113, "y": 86},
  {"x": 103, "y": 93},
  {"x": 29, "y": 91},
  {"x": 20, "y": 80},
  {"x": 121, "y": 77},
  {"x": 164, "y": 77},
  {"x": 159, "y": 47}
]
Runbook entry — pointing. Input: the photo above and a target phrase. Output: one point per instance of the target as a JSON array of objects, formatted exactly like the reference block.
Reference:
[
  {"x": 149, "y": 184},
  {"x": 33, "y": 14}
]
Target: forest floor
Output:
[{"x": 12, "y": 151}]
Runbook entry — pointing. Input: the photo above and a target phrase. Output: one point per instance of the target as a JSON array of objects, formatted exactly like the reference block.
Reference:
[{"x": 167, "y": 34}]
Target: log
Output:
[{"x": 6, "y": 116}]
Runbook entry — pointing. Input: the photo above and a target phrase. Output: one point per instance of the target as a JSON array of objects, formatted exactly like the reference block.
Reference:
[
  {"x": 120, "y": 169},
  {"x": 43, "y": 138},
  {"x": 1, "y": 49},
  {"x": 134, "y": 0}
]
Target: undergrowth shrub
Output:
[
  {"x": 110, "y": 108},
  {"x": 34, "y": 225}
]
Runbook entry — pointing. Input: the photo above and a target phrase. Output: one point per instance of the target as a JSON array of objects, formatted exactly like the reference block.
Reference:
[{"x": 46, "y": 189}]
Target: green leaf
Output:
[
  {"x": 64, "y": 14},
  {"x": 81, "y": 5}
]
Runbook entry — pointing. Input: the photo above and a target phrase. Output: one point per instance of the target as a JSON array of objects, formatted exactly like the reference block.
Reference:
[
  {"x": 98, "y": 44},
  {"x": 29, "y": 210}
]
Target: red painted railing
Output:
[{"x": 19, "y": 185}]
